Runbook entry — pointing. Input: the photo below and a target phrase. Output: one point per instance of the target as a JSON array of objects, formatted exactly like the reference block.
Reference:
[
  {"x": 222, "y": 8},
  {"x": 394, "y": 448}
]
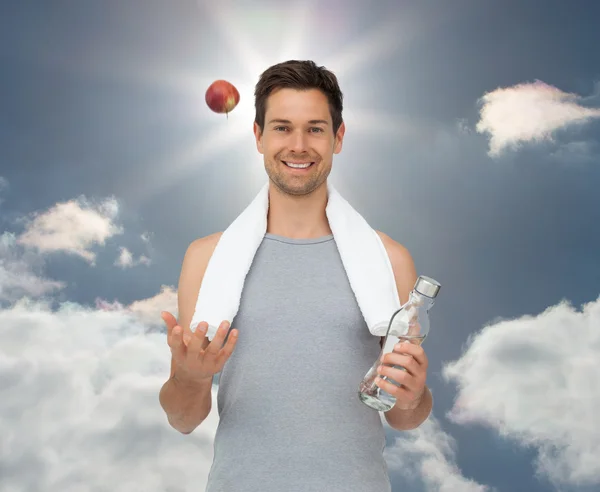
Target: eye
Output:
[
  {"x": 277, "y": 128},
  {"x": 318, "y": 130}
]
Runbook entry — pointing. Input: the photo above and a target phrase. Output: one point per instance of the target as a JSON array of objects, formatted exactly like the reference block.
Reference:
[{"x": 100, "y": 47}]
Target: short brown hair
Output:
[{"x": 300, "y": 75}]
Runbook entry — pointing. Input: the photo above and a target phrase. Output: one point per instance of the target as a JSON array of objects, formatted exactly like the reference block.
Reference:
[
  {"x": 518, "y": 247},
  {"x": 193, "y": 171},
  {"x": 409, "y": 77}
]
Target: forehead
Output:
[{"x": 292, "y": 104}]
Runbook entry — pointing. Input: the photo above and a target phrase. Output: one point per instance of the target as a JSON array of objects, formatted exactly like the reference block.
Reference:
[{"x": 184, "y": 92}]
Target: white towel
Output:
[{"x": 362, "y": 252}]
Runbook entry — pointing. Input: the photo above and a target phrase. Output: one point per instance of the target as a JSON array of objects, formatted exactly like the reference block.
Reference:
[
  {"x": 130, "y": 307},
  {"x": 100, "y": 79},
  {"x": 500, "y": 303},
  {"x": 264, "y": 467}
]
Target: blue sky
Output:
[{"x": 473, "y": 138}]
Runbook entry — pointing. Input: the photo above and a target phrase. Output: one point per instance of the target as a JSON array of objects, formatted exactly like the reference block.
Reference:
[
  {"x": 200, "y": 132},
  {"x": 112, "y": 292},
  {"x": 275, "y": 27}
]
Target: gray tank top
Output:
[{"x": 290, "y": 416}]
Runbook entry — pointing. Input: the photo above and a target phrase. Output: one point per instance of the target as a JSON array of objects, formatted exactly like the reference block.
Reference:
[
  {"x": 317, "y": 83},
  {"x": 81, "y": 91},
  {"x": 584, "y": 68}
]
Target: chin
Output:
[{"x": 296, "y": 189}]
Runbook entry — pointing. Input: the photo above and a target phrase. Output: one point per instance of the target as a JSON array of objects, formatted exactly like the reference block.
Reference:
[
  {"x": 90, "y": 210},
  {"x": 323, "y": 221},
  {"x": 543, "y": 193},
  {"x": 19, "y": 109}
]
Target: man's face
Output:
[{"x": 298, "y": 131}]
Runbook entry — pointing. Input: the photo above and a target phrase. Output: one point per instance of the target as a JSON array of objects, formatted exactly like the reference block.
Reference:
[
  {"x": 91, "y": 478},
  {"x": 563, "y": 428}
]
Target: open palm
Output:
[{"x": 194, "y": 363}]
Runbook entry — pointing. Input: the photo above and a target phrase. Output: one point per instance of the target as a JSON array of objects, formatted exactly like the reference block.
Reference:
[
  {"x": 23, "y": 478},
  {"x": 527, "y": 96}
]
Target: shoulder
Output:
[
  {"x": 198, "y": 253},
  {"x": 400, "y": 257},
  {"x": 397, "y": 252},
  {"x": 202, "y": 243},
  {"x": 203, "y": 247},
  {"x": 402, "y": 264}
]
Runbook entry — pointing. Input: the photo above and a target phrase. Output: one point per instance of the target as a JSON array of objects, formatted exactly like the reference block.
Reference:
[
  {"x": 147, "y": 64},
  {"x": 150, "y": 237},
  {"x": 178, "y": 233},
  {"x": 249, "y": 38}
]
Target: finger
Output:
[
  {"x": 400, "y": 376},
  {"x": 217, "y": 342},
  {"x": 194, "y": 346},
  {"x": 169, "y": 320},
  {"x": 176, "y": 344},
  {"x": 408, "y": 362},
  {"x": 175, "y": 331},
  {"x": 200, "y": 332},
  {"x": 227, "y": 350},
  {"x": 388, "y": 387},
  {"x": 411, "y": 349},
  {"x": 403, "y": 392},
  {"x": 187, "y": 334},
  {"x": 201, "y": 328},
  {"x": 179, "y": 330}
]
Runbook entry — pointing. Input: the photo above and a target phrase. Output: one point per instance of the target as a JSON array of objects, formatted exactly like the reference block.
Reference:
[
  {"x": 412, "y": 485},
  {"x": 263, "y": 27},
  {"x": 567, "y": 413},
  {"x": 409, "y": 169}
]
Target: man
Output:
[{"x": 290, "y": 416}]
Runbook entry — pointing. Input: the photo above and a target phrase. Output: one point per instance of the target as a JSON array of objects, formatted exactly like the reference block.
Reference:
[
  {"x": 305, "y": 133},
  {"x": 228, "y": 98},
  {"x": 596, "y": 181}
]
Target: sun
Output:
[{"x": 242, "y": 30}]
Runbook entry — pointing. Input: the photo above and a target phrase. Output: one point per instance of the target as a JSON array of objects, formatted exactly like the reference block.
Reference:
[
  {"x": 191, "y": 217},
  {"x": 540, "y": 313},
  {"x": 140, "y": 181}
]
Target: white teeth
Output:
[{"x": 298, "y": 166}]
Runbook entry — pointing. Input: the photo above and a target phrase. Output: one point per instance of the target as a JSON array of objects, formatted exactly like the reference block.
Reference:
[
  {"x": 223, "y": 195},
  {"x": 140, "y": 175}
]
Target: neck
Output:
[{"x": 298, "y": 217}]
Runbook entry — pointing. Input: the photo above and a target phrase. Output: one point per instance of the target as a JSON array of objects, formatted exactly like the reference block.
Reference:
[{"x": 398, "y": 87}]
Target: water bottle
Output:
[{"x": 410, "y": 324}]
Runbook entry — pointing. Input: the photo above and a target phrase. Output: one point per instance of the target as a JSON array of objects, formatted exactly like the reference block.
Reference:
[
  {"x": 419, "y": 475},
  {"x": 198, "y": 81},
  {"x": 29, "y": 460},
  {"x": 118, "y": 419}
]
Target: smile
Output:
[{"x": 298, "y": 165}]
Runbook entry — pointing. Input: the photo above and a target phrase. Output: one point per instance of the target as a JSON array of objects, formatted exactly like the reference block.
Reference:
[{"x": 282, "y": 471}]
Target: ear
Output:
[
  {"x": 258, "y": 137},
  {"x": 339, "y": 138}
]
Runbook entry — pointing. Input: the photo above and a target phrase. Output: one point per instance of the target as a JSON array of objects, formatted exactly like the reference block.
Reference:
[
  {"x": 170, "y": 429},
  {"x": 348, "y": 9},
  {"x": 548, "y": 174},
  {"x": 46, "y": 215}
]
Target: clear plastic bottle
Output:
[{"x": 409, "y": 324}]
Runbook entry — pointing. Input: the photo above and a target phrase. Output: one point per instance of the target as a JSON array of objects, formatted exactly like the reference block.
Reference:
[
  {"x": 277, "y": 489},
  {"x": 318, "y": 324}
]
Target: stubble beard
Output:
[{"x": 295, "y": 186}]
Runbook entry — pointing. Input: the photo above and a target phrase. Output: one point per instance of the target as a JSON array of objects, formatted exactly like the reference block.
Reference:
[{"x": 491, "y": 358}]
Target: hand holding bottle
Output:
[
  {"x": 410, "y": 380},
  {"x": 402, "y": 382}
]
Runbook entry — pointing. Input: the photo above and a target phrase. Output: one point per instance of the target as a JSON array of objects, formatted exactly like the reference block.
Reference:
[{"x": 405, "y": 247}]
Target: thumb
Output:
[{"x": 169, "y": 320}]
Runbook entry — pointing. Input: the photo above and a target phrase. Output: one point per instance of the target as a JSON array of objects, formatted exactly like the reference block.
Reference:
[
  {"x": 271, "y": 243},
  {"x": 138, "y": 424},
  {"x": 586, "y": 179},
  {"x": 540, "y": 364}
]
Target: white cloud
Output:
[
  {"x": 529, "y": 112},
  {"x": 125, "y": 259},
  {"x": 73, "y": 227},
  {"x": 79, "y": 386},
  {"x": 147, "y": 310},
  {"x": 20, "y": 272},
  {"x": 427, "y": 455},
  {"x": 79, "y": 407},
  {"x": 535, "y": 380}
]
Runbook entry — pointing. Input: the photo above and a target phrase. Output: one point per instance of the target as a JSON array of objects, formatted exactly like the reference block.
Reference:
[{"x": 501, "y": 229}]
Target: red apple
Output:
[{"x": 222, "y": 97}]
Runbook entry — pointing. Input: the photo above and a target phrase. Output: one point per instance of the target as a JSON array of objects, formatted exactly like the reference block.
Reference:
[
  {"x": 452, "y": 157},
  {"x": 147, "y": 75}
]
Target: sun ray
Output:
[
  {"x": 380, "y": 42},
  {"x": 220, "y": 134},
  {"x": 229, "y": 25},
  {"x": 177, "y": 168},
  {"x": 232, "y": 138},
  {"x": 293, "y": 47},
  {"x": 373, "y": 122}
]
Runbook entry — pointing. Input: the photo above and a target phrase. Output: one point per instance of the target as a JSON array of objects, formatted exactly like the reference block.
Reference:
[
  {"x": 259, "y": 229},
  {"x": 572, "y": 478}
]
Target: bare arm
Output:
[{"x": 187, "y": 401}]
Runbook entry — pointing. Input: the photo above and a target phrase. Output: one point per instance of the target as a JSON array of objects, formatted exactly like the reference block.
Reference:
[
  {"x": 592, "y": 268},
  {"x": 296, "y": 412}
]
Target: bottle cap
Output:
[{"x": 427, "y": 286}]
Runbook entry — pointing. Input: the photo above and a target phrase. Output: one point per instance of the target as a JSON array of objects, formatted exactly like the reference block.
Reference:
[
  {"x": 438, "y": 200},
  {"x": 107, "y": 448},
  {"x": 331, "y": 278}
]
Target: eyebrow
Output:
[{"x": 312, "y": 122}]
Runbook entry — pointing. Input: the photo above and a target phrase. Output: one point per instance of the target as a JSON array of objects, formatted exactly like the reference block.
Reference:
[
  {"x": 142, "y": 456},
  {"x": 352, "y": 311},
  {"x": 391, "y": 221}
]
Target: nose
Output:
[{"x": 298, "y": 141}]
